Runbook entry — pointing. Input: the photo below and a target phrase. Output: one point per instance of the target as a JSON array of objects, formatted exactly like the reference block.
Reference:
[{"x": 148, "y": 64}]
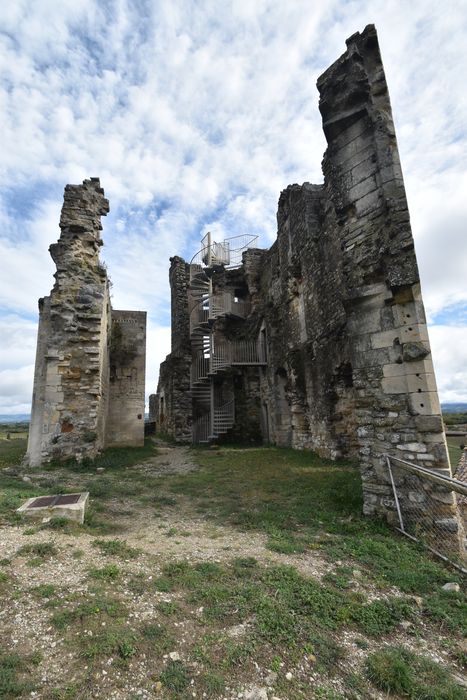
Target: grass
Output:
[
  {"x": 12, "y": 451},
  {"x": 399, "y": 671},
  {"x": 40, "y": 551},
  {"x": 109, "y": 573},
  {"x": 15, "y": 672},
  {"x": 116, "y": 548},
  {"x": 455, "y": 446},
  {"x": 301, "y": 504}
]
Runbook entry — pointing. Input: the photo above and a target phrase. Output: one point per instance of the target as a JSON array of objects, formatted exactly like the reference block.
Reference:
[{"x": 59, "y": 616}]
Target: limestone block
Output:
[
  {"x": 427, "y": 424},
  {"x": 384, "y": 339},
  {"x": 395, "y": 385},
  {"x": 364, "y": 188},
  {"x": 421, "y": 382},
  {"x": 412, "y": 447},
  {"x": 413, "y": 333},
  {"x": 368, "y": 203},
  {"x": 396, "y": 369},
  {"x": 426, "y": 403}
]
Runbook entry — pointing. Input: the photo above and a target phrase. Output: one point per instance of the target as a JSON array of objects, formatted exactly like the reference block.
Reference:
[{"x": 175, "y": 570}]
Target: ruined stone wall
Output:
[
  {"x": 125, "y": 420},
  {"x": 71, "y": 378},
  {"x": 337, "y": 302},
  {"x": 396, "y": 402},
  {"x": 172, "y": 402},
  {"x": 70, "y": 406}
]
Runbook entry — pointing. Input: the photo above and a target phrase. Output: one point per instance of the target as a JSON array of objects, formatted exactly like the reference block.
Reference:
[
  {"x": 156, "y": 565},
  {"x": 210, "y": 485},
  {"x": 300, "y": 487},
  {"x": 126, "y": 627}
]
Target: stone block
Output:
[
  {"x": 428, "y": 424},
  {"x": 384, "y": 339},
  {"x": 425, "y": 404},
  {"x": 395, "y": 385},
  {"x": 396, "y": 369}
]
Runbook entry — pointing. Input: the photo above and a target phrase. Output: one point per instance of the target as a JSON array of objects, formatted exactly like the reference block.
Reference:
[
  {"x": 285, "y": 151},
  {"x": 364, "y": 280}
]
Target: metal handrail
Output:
[
  {"x": 248, "y": 239},
  {"x": 459, "y": 486}
]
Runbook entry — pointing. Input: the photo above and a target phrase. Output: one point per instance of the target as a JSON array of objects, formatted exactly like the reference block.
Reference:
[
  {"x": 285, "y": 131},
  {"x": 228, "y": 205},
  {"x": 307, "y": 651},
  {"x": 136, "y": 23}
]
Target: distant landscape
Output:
[{"x": 460, "y": 408}]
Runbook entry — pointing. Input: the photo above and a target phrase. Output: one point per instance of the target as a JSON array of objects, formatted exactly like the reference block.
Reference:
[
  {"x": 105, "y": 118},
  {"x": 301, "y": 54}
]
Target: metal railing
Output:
[
  {"x": 236, "y": 352},
  {"x": 429, "y": 508},
  {"x": 224, "y": 418},
  {"x": 201, "y": 429},
  {"x": 227, "y": 252}
]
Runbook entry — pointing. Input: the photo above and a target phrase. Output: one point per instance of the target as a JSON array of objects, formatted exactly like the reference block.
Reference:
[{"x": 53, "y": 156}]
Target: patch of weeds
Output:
[
  {"x": 244, "y": 567},
  {"x": 138, "y": 584},
  {"x": 171, "y": 532},
  {"x": 327, "y": 652},
  {"x": 175, "y": 677},
  {"x": 70, "y": 692},
  {"x": 14, "y": 673},
  {"x": 162, "y": 500},
  {"x": 40, "y": 550},
  {"x": 116, "y": 640},
  {"x": 95, "y": 523},
  {"x": 286, "y": 544},
  {"x": 30, "y": 531},
  {"x": 399, "y": 671},
  {"x": 276, "y": 664},
  {"x": 168, "y": 608},
  {"x": 157, "y": 637},
  {"x": 324, "y": 693},
  {"x": 87, "y": 610},
  {"x": 340, "y": 578},
  {"x": 390, "y": 560},
  {"x": 355, "y": 686},
  {"x": 63, "y": 525},
  {"x": 115, "y": 459},
  {"x": 45, "y": 590},
  {"x": 116, "y": 548},
  {"x": 361, "y": 643},
  {"x": 448, "y": 609},
  {"x": 5, "y": 562},
  {"x": 212, "y": 684},
  {"x": 237, "y": 653},
  {"x": 163, "y": 584},
  {"x": 77, "y": 553},
  {"x": 381, "y": 616},
  {"x": 12, "y": 452},
  {"x": 109, "y": 573}
]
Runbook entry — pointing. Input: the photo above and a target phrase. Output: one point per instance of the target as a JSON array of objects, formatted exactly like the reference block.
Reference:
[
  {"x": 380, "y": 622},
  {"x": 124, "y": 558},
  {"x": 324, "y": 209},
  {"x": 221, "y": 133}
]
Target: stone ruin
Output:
[
  {"x": 321, "y": 341},
  {"x": 318, "y": 343},
  {"x": 90, "y": 361}
]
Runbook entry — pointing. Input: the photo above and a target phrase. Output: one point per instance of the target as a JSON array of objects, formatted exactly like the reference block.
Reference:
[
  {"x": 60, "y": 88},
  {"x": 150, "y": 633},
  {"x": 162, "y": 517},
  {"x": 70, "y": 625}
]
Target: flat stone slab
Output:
[{"x": 66, "y": 505}]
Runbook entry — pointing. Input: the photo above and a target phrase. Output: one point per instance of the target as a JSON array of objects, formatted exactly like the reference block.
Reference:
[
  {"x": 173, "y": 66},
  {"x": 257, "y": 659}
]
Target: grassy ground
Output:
[
  {"x": 454, "y": 447},
  {"x": 254, "y": 568}
]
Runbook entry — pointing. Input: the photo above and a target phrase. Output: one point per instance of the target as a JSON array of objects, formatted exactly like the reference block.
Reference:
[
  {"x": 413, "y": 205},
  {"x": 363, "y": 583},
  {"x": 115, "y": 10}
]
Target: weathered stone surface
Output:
[
  {"x": 70, "y": 407},
  {"x": 337, "y": 301}
]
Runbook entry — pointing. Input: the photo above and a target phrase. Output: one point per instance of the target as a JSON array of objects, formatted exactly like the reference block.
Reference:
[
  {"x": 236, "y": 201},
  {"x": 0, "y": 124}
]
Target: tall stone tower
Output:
[{"x": 77, "y": 344}]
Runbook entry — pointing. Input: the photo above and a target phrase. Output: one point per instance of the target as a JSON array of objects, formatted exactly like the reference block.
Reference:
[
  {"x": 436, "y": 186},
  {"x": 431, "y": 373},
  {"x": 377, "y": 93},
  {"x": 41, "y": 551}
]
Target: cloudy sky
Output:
[{"x": 195, "y": 114}]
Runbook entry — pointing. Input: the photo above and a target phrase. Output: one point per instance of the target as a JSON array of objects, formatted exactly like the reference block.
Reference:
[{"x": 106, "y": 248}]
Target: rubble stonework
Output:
[
  {"x": 344, "y": 366},
  {"x": 71, "y": 415}
]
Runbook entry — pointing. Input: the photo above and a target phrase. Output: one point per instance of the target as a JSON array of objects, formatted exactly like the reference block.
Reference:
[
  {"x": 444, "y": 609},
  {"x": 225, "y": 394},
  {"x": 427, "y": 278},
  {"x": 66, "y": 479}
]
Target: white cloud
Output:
[
  {"x": 448, "y": 344},
  {"x": 195, "y": 115},
  {"x": 16, "y": 389}
]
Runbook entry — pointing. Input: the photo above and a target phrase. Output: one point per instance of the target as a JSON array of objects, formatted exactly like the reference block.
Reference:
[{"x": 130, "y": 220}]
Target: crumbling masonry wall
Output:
[
  {"x": 70, "y": 405},
  {"x": 172, "y": 406},
  {"x": 337, "y": 300}
]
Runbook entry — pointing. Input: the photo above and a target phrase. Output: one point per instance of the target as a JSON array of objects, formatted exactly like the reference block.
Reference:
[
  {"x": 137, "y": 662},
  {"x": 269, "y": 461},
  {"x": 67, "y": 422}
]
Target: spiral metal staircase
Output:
[{"x": 213, "y": 411}]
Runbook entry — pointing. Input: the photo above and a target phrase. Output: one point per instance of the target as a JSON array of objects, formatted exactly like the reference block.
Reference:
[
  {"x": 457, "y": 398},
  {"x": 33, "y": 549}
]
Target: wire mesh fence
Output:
[{"x": 431, "y": 509}]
